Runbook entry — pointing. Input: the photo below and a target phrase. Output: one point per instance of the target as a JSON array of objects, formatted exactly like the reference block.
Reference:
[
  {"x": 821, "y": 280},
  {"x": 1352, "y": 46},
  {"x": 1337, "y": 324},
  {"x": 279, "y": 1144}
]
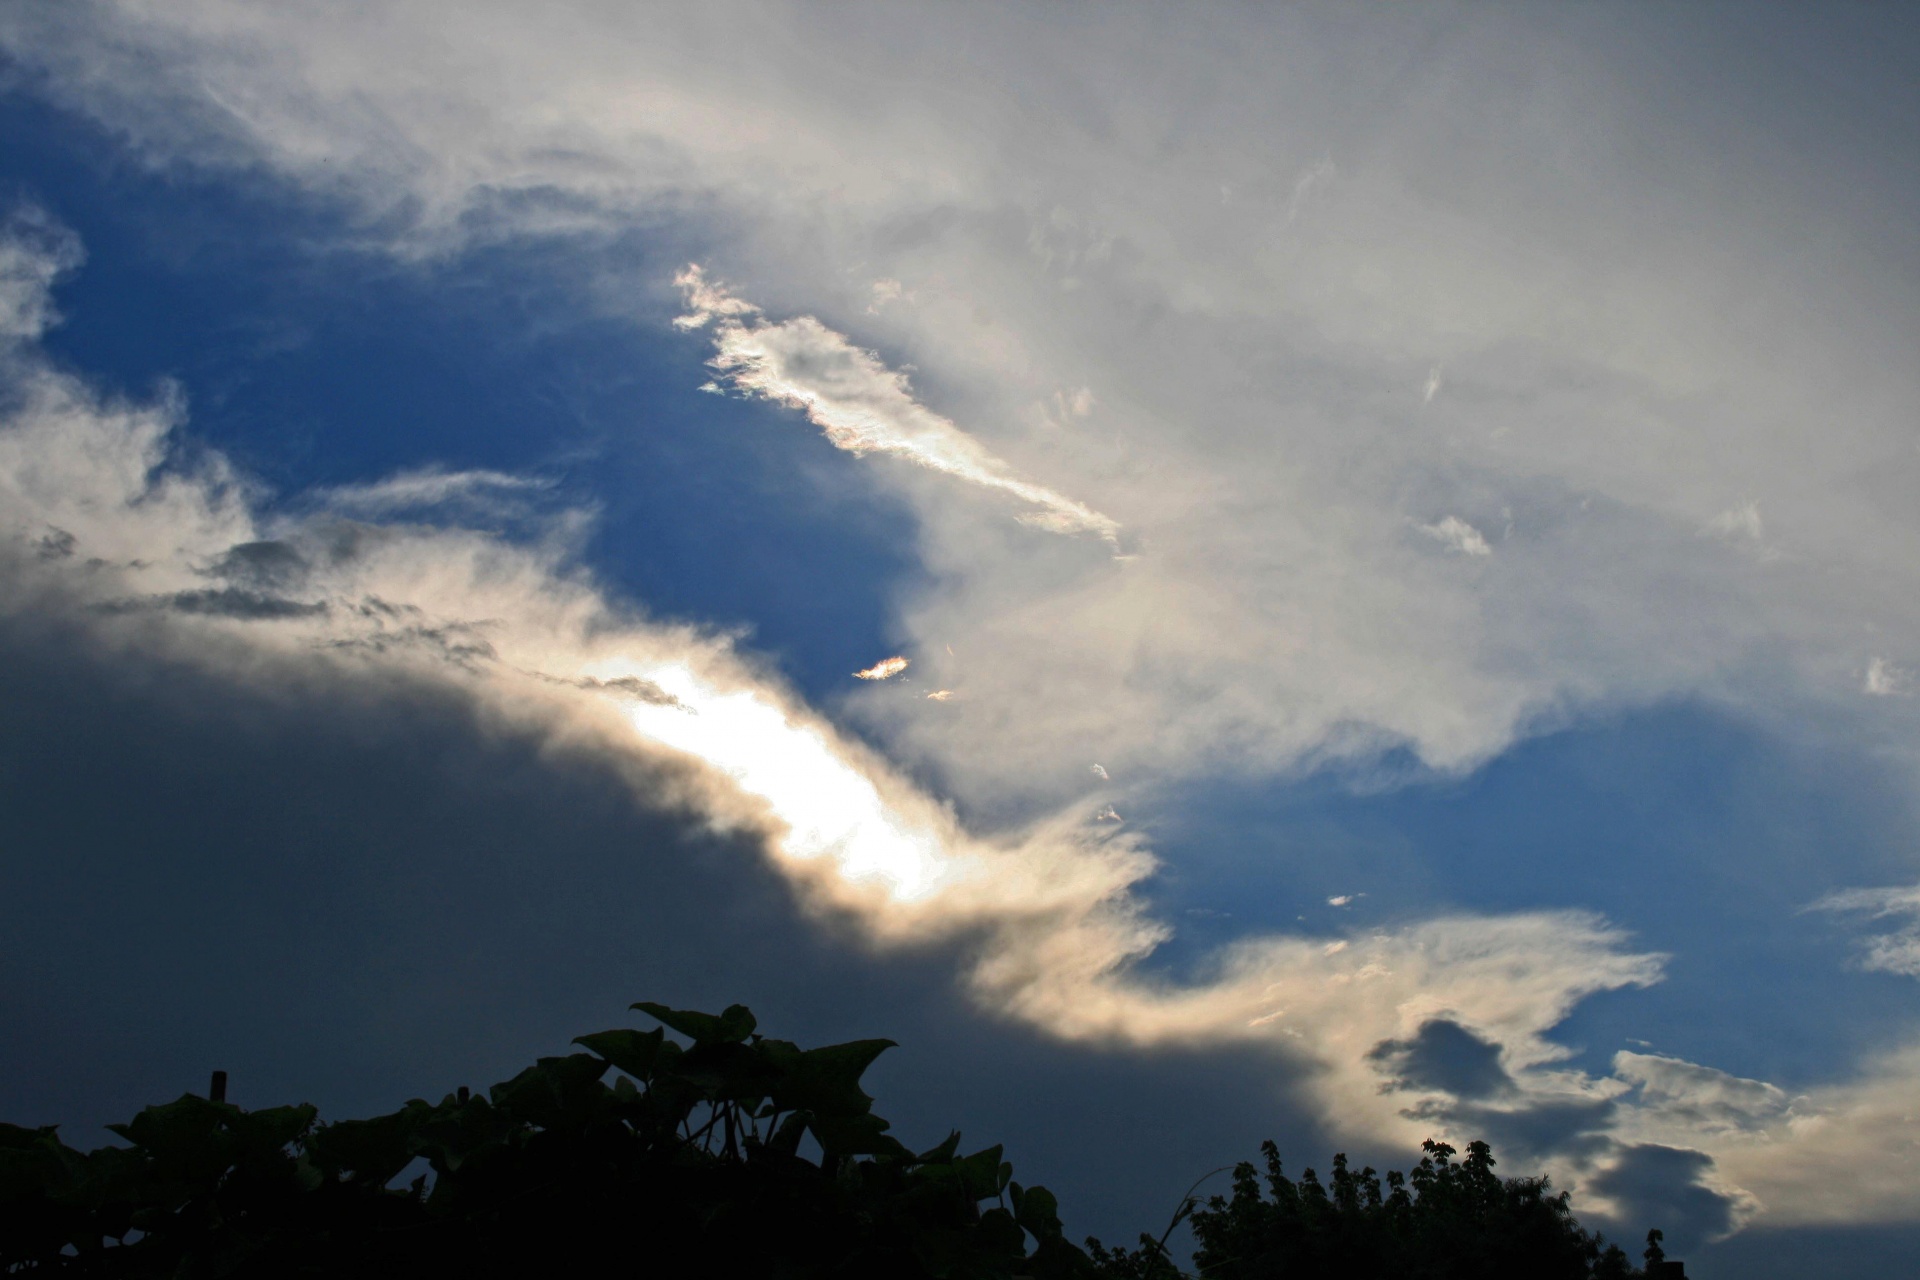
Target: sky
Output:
[{"x": 1338, "y": 573}]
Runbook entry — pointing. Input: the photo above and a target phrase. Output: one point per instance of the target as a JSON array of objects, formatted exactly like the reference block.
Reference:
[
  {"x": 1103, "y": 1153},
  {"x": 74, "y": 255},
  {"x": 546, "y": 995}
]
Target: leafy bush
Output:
[
  {"x": 732, "y": 1155},
  {"x": 690, "y": 1162},
  {"x": 1444, "y": 1221}
]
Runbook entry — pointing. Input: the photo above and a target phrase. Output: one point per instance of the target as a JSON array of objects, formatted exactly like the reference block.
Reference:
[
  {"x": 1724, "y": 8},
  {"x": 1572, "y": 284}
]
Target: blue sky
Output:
[{"x": 1454, "y": 474}]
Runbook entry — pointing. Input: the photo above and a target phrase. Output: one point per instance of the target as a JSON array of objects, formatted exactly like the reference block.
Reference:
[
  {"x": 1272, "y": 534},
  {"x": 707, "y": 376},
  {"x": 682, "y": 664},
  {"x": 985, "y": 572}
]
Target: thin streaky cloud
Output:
[
  {"x": 885, "y": 669},
  {"x": 862, "y": 406}
]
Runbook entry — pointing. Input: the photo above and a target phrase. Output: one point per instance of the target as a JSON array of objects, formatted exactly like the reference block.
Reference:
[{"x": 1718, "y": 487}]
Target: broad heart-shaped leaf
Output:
[
  {"x": 638, "y": 1053},
  {"x": 730, "y": 1027},
  {"x": 942, "y": 1154},
  {"x": 369, "y": 1151},
  {"x": 1036, "y": 1210},
  {"x": 981, "y": 1173},
  {"x": 260, "y": 1132},
  {"x": 861, "y": 1135},
  {"x": 826, "y": 1081},
  {"x": 34, "y": 1161},
  {"x": 554, "y": 1092},
  {"x": 185, "y": 1138}
]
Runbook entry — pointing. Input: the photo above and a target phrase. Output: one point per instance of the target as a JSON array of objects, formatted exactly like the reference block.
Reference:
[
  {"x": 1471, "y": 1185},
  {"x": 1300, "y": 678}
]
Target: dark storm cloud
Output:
[
  {"x": 1529, "y": 1134},
  {"x": 1663, "y": 1187},
  {"x": 1444, "y": 1055},
  {"x": 264, "y": 565},
  {"x": 357, "y": 895}
]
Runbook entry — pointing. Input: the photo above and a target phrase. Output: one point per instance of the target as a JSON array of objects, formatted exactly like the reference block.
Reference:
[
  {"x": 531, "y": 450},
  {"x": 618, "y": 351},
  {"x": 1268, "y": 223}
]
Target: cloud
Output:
[
  {"x": 1054, "y": 927},
  {"x": 425, "y": 488},
  {"x": 1432, "y": 387},
  {"x": 1244, "y": 350},
  {"x": 1896, "y": 951},
  {"x": 1459, "y": 535},
  {"x": 1884, "y": 680},
  {"x": 885, "y": 669},
  {"x": 861, "y": 405},
  {"x": 1700, "y": 1097},
  {"x": 1444, "y": 1056},
  {"x": 1311, "y": 181},
  {"x": 1672, "y": 1188},
  {"x": 35, "y": 251},
  {"x": 1737, "y": 523}
]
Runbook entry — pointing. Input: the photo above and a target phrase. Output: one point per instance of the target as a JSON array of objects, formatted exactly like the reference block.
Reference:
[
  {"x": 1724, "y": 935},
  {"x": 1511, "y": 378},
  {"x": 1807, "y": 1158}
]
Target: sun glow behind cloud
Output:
[{"x": 828, "y": 808}]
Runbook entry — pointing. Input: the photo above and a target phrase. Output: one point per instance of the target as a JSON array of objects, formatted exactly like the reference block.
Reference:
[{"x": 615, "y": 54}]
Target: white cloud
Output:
[
  {"x": 1894, "y": 951},
  {"x": 1741, "y": 522},
  {"x": 1884, "y": 680},
  {"x": 885, "y": 669},
  {"x": 429, "y": 487},
  {"x": 34, "y": 252},
  {"x": 1681, "y": 1092},
  {"x": 1459, "y": 535},
  {"x": 1618, "y": 384},
  {"x": 1307, "y": 185},
  {"x": 1432, "y": 387},
  {"x": 863, "y": 406}
]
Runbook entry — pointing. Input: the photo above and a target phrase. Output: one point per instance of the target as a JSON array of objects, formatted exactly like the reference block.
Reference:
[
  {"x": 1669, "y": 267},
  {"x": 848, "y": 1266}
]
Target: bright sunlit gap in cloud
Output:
[{"x": 828, "y": 808}]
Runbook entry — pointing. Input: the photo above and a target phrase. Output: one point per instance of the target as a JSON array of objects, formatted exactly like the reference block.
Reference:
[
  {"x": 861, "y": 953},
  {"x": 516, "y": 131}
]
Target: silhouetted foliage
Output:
[
  {"x": 693, "y": 1161},
  {"x": 732, "y": 1155},
  {"x": 1446, "y": 1220}
]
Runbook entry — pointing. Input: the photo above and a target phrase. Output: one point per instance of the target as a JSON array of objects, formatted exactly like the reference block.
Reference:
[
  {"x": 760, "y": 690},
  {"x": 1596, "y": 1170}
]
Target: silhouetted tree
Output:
[{"x": 1446, "y": 1220}]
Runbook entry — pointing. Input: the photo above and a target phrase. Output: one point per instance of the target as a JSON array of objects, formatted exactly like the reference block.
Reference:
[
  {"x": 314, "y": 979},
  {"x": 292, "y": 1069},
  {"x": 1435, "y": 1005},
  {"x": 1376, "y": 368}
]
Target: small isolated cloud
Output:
[
  {"x": 1340, "y": 901},
  {"x": 885, "y": 669},
  {"x": 883, "y": 292},
  {"x": 940, "y": 695},
  {"x": 1736, "y": 524},
  {"x": 1100, "y": 772},
  {"x": 1108, "y": 814},
  {"x": 1432, "y": 388},
  {"x": 429, "y": 487},
  {"x": 1308, "y": 185},
  {"x": 1074, "y": 404},
  {"x": 1896, "y": 950},
  {"x": 1884, "y": 680},
  {"x": 1458, "y": 535},
  {"x": 862, "y": 406}
]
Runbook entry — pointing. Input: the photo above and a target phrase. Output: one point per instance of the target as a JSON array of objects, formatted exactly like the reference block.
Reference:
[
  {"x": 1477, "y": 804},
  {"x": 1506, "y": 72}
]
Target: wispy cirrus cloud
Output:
[
  {"x": 1895, "y": 949},
  {"x": 862, "y": 406},
  {"x": 428, "y": 487}
]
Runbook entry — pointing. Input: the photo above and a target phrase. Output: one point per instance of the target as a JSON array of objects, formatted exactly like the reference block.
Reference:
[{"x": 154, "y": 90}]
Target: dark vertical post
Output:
[
  {"x": 464, "y": 1095},
  {"x": 217, "y": 1091}
]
